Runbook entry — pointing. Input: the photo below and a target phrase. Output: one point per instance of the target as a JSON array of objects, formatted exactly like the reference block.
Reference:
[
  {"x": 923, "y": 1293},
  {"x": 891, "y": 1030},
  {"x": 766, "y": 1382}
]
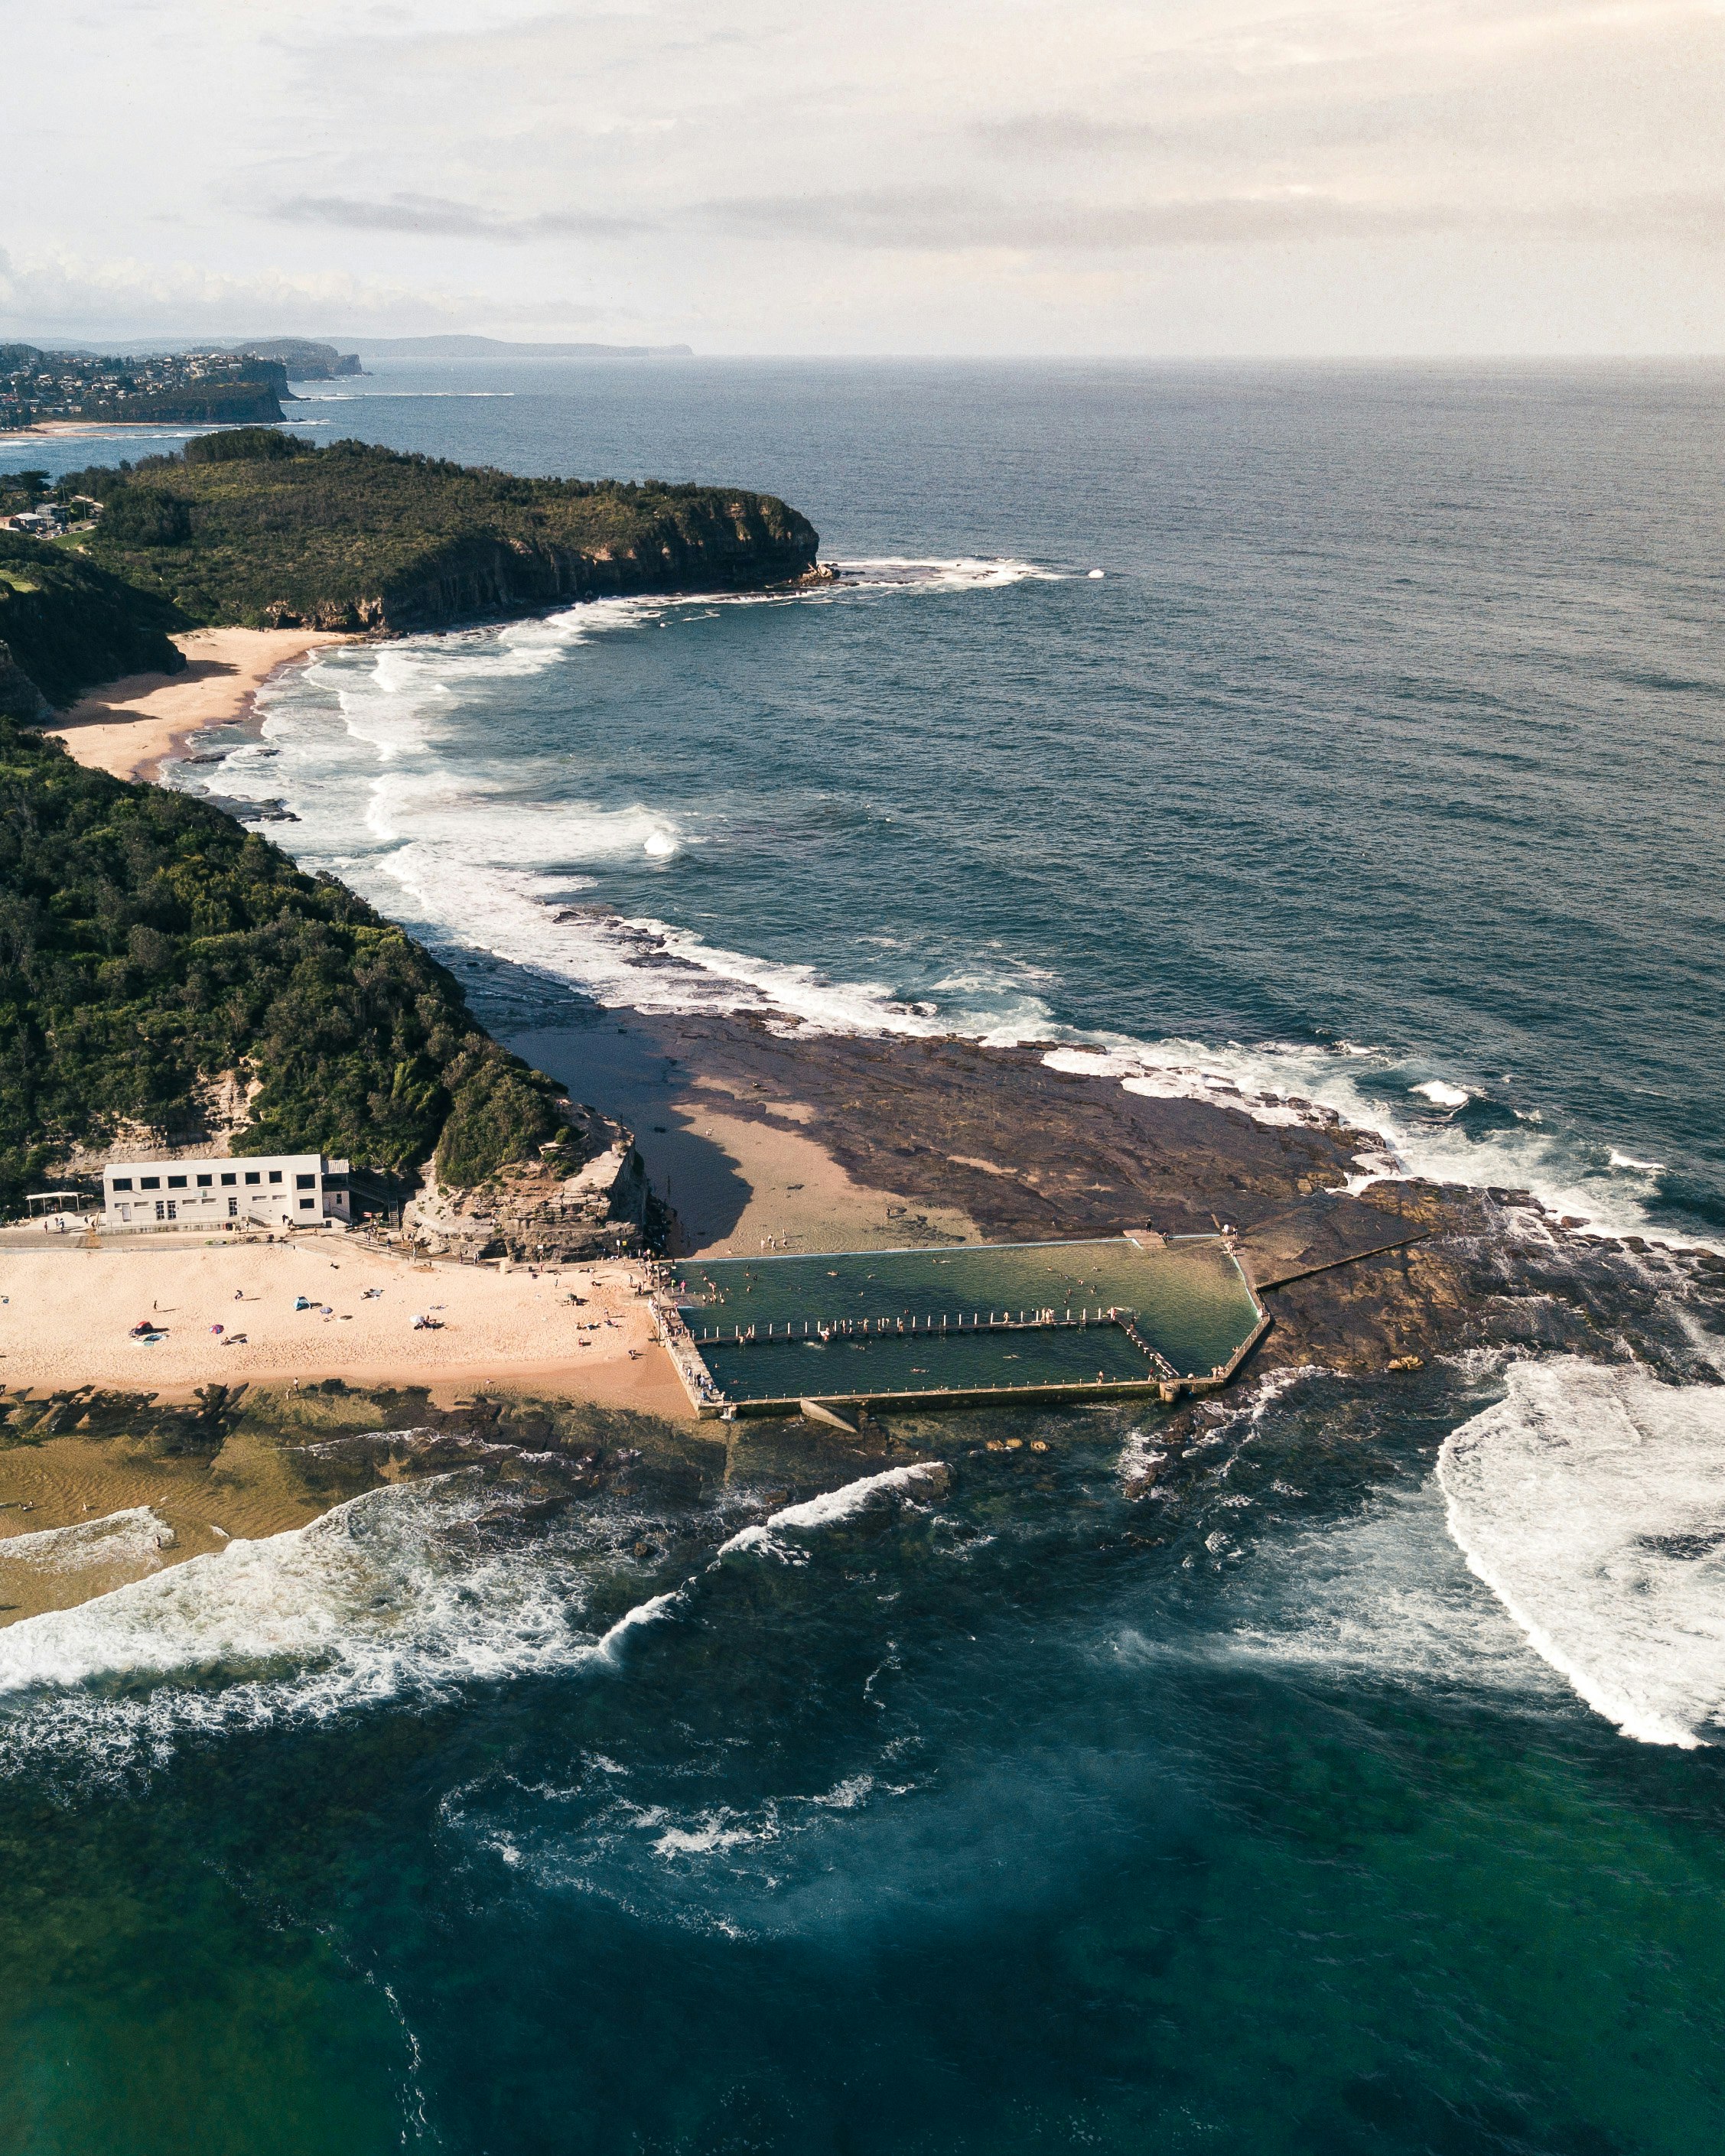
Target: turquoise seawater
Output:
[
  {"x": 1355, "y": 1787},
  {"x": 1188, "y": 1301}
]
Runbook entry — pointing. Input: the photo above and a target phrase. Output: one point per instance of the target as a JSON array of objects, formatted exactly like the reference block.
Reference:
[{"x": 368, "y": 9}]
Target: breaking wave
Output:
[
  {"x": 408, "y": 1591},
  {"x": 136, "y": 1536},
  {"x": 921, "y": 1479},
  {"x": 478, "y": 860},
  {"x": 1591, "y": 1502},
  {"x": 1291, "y": 1083},
  {"x": 1382, "y": 1598},
  {"x": 372, "y": 751}
]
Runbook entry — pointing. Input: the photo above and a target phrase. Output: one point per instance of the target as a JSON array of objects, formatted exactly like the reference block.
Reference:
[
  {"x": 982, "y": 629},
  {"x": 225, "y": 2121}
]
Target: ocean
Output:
[{"x": 1348, "y": 734}]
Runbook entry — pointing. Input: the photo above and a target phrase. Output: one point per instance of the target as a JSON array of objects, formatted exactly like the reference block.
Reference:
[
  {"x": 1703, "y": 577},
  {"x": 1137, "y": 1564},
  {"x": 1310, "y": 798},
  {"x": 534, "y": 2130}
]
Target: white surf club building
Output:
[{"x": 272, "y": 1190}]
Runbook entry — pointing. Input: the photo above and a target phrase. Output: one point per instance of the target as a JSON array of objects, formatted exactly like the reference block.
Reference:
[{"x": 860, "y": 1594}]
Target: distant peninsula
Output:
[
  {"x": 256, "y": 529},
  {"x": 484, "y": 347},
  {"x": 304, "y": 358}
]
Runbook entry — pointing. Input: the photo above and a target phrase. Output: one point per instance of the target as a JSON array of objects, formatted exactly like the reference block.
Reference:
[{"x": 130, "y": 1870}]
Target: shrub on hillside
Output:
[{"x": 149, "y": 943}]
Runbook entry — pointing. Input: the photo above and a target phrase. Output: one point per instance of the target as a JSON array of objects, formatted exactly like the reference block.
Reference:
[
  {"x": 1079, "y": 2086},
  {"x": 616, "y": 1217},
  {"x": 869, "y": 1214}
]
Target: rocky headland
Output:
[
  {"x": 1380, "y": 1277},
  {"x": 257, "y": 529}
]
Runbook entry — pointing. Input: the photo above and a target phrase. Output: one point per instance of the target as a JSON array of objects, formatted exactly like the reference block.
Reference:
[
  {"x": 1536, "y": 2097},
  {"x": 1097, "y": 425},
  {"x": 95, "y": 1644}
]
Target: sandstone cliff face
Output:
[
  {"x": 745, "y": 543},
  {"x": 531, "y": 1213}
]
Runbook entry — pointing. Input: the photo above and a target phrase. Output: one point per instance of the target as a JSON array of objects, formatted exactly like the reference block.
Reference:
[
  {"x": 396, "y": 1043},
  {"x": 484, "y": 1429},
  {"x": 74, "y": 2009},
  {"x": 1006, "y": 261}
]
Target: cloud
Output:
[
  {"x": 1006, "y": 175},
  {"x": 942, "y": 220},
  {"x": 65, "y": 293},
  {"x": 435, "y": 216}
]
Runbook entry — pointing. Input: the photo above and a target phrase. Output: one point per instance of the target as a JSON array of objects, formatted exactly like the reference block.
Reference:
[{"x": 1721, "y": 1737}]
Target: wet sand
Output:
[
  {"x": 129, "y": 726},
  {"x": 799, "y": 1197},
  {"x": 79, "y": 1515}
]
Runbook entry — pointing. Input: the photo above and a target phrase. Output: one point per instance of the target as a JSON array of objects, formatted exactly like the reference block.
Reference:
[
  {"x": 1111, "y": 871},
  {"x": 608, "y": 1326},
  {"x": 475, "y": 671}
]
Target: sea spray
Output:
[
  {"x": 1291, "y": 1084},
  {"x": 405, "y": 1594},
  {"x": 923, "y": 1479}
]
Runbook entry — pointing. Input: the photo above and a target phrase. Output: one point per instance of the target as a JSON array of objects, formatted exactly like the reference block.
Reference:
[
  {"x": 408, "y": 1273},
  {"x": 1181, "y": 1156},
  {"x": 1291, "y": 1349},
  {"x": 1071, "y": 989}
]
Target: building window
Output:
[
  {"x": 176, "y": 1182},
  {"x": 275, "y": 1175},
  {"x": 205, "y": 1181},
  {"x": 306, "y": 1205},
  {"x": 228, "y": 1181},
  {"x": 233, "y": 1207},
  {"x": 122, "y": 1182},
  {"x": 161, "y": 1210},
  {"x": 253, "y": 1176},
  {"x": 304, "y": 1183},
  {"x": 149, "y": 1183},
  {"x": 174, "y": 1208}
]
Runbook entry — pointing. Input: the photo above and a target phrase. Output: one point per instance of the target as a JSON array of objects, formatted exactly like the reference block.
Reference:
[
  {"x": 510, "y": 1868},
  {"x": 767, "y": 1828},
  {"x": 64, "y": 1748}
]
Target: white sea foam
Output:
[
  {"x": 922, "y": 1478},
  {"x": 644, "y": 1614},
  {"x": 393, "y": 1594},
  {"x": 940, "y": 573},
  {"x": 1383, "y": 1597},
  {"x": 1591, "y": 1502},
  {"x": 136, "y": 1536},
  {"x": 405, "y": 1594},
  {"x": 1297, "y": 1083},
  {"x": 483, "y": 864}
]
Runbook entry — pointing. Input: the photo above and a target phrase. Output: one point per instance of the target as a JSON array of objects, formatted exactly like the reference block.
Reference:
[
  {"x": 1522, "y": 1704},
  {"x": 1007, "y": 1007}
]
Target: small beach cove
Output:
[{"x": 131, "y": 726}]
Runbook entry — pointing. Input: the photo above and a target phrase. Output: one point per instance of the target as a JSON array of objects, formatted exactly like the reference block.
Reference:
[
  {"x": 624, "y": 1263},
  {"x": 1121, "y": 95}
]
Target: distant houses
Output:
[
  {"x": 49, "y": 519},
  {"x": 166, "y": 388}
]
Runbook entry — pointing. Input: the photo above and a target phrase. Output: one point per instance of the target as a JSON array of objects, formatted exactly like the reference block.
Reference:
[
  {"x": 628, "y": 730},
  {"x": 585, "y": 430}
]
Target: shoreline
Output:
[
  {"x": 130, "y": 727},
  {"x": 757, "y": 1134},
  {"x": 74, "y": 428}
]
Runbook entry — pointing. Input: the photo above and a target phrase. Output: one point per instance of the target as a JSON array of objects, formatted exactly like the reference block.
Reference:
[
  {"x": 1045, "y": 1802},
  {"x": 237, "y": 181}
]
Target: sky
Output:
[{"x": 1166, "y": 178}]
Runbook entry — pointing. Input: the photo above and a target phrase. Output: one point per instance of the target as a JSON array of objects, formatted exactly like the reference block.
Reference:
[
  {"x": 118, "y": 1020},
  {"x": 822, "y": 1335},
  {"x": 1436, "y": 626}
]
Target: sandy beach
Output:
[
  {"x": 799, "y": 1197},
  {"x": 68, "y": 1315},
  {"x": 121, "y": 429},
  {"x": 128, "y": 727}
]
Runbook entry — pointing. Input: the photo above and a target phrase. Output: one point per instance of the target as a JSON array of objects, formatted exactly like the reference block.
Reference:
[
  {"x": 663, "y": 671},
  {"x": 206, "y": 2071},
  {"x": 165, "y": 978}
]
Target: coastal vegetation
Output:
[
  {"x": 151, "y": 947},
  {"x": 257, "y": 529},
  {"x": 69, "y": 623},
  {"x": 253, "y": 528}
]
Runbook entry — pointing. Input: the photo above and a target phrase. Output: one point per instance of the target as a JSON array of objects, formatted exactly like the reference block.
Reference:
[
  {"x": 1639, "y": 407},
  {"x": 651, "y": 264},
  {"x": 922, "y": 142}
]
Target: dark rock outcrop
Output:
[
  {"x": 1405, "y": 1271},
  {"x": 20, "y": 699}
]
